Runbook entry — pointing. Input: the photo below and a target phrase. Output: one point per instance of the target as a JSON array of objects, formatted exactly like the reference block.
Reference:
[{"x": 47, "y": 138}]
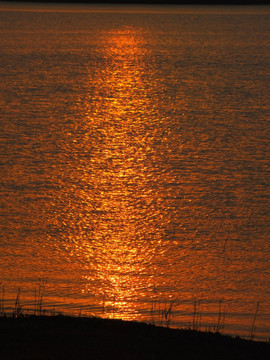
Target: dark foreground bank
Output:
[{"x": 63, "y": 337}]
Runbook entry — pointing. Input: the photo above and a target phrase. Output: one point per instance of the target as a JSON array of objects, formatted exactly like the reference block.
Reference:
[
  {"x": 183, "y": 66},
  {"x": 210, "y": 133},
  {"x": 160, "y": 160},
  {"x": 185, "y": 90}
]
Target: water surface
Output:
[{"x": 135, "y": 164}]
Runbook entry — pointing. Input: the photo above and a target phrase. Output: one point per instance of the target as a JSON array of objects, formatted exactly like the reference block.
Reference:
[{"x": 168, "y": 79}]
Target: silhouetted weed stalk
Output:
[
  {"x": 162, "y": 312},
  {"x": 221, "y": 318},
  {"x": 39, "y": 296},
  {"x": 253, "y": 327},
  {"x": 197, "y": 316},
  {"x": 2, "y": 301}
]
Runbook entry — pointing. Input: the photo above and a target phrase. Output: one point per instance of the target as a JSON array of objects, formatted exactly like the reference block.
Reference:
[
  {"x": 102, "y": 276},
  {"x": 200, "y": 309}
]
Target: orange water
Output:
[{"x": 135, "y": 165}]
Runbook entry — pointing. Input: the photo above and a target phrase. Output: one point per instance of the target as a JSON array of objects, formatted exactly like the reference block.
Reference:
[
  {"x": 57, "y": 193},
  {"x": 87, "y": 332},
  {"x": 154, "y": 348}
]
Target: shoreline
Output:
[{"x": 65, "y": 337}]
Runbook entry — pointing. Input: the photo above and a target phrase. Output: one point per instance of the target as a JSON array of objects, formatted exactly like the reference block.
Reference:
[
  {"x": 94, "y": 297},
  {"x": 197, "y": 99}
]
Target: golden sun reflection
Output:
[
  {"x": 122, "y": 213},
  {"x": 123, "y": 42}
]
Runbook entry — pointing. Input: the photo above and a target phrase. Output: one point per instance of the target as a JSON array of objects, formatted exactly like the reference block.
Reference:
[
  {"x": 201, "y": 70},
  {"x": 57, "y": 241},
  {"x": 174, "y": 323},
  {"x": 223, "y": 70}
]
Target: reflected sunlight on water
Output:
[{"x": 125, "y": 212}]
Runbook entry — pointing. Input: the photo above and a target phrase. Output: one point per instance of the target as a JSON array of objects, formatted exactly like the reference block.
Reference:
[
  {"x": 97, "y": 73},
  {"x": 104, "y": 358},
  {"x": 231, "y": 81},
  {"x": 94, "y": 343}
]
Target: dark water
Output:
[{"x": 135, "y": 164}]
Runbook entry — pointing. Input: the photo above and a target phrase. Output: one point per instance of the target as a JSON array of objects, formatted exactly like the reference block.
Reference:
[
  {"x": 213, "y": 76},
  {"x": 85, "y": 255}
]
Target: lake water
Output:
[{"x": 135, "y": 164}]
